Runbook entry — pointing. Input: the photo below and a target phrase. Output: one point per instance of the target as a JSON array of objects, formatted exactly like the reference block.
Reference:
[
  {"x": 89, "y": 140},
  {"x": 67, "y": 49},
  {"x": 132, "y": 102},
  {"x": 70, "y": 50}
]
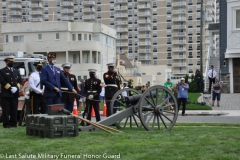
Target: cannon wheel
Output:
[
  {"x": 154, "y": 111},
  {"x": 132, "y": 121}
]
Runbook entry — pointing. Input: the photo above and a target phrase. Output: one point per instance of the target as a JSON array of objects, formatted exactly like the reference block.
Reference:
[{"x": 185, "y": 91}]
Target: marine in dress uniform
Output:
[
  {"x": 112, "y": 82},
  {"x": 37, "y": 90},
  {"x": 10, "y": 83},
  {"x": 50, "y": 77},
  {"x": 92, "y": 90},
  {"x": 67, "y": 95}
]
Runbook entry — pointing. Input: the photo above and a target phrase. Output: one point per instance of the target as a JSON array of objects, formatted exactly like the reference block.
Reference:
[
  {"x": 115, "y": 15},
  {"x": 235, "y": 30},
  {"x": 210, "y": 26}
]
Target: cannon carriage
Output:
[{"x": 149, "y": 110}]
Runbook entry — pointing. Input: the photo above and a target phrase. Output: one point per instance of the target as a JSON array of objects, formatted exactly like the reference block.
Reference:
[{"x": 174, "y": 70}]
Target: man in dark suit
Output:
[
  {"x": 10, "y": 83},
  {"x": 50, "y": 77},
  {"x": 67, "y": 96},
  {"x": 112, "y": 82},
  {"x": 92, "y": 90}
]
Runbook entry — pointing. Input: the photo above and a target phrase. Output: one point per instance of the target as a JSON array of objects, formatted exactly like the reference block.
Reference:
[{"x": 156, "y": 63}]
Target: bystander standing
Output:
[
  {"x": 216, "y": 93},
  {"x": 182, "y": 88}
]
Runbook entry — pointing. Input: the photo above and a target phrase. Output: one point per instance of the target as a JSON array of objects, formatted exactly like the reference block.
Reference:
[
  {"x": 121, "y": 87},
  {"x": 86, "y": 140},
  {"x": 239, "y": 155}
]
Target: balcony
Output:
[
  {"x": 179, "y": 64},
  {"x": 179, "y": 27},
  {"x": 15, "y": 20},
  {"x": 120, "y": 15},
  {"x": 144, "y": 7},
  {"x": 69, "y": 18},
  {"x": 15, "y": 13},
  {"x": 144, "y": 29},
  {"x": 179, "y": 4},
  {"x": 140, "y": 14},
  {"x": 67, "y": 11},
  {"x": 121, "y": 23},
  {"x": 209, "y": 4},
  {"x": 144, "y": 51},
  {"x": 178, "y": 12},
  {"x": 179, "y": 34},
  {"x": 144, "y": 43},
  {"x": 144, "y": 21},
  {"x": 179, "y": 42},
  {"x": 144, "y": 58},
  {"x": 179, "y": 72},
  {"x": 144, "y": 0},
  {"x": 121, "y": 44},
  {"x": 35, "y": 12},
  {"x": 122, "y": 30},
  {"x": 36, "y": 6},
  {"x": 122, "y": 51},
  {"x": 85, "y": 10},
  {"x": 122, "y": 37},
  {"x": 179, "y": 19},
  {"x": 143, "y": 36},
  {"x": 16, "y": 6},
  {"x": 35, "y": 19},
  {"x": 121, "y": 1},
  {"x": 67, "y": 4},
  {"x": 179, "y": 57},
  {"x": 207, "y": 41},
  {"x": 88, "y": 3},
  {"x": 178, "y": 49},
  {"x": 88, "y": 17},
  {"x": 14, "y": 0},
  {"x": 121, "y": 8}
]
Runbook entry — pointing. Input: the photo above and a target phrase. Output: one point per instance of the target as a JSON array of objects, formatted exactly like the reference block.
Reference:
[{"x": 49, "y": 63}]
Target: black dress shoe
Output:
[{"x": 7, "y": 126}]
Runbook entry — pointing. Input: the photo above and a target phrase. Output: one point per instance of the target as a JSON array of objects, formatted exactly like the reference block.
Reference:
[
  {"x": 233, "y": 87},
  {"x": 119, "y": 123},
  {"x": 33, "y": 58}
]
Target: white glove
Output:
[
  {"x": 13, "y": 90},
  {"x": 90, "y": 96}
]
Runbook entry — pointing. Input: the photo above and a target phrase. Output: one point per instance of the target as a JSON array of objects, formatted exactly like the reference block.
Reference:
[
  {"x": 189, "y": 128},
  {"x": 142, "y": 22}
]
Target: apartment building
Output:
[{"x": 154, "y": 32}]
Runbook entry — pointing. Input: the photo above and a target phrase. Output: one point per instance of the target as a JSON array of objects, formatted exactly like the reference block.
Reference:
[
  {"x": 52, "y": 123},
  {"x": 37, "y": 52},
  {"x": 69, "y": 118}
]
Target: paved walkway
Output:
[{"x": 228, "y": 101}]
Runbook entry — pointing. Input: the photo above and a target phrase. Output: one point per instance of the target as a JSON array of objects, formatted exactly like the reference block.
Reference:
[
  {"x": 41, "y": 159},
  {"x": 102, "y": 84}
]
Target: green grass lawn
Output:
[{"x": 186, "y": 141}]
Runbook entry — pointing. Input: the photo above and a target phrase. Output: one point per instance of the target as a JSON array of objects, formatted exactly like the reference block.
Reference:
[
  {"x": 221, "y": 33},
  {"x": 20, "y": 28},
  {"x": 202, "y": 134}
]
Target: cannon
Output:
[{"x": 150, "y": 110}]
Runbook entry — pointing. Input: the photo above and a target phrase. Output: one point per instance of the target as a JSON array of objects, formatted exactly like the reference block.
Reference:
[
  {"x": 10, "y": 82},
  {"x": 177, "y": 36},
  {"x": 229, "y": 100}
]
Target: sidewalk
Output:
[{"x": 228, "y": 101}]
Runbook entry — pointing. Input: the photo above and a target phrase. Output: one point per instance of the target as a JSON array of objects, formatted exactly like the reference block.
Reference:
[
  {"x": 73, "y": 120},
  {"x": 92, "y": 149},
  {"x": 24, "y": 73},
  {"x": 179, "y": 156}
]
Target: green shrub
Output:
[{"x": 192, "y": 83}]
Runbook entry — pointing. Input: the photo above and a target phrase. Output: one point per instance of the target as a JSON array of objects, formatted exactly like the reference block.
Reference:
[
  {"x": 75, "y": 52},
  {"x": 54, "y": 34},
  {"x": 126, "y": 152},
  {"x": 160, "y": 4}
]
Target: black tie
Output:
[
  {"x": 41, "y": 86},
  {"x": 212, "y": 73}
]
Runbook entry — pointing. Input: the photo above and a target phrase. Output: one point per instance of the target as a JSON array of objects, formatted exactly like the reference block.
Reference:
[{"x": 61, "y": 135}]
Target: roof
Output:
[{"x": 128, "y": 64}]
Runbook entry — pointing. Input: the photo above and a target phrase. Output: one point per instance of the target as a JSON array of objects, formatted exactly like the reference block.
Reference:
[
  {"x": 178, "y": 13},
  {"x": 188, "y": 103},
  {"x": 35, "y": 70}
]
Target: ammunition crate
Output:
[
  {"x": 54, "y": 126},
  {"x": 55, "y": 108}
]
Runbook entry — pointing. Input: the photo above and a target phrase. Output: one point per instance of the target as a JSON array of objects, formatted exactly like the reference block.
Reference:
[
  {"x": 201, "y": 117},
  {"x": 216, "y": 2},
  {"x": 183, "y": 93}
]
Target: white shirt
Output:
[
  {"x": 33, "y": 81},
  {"x": 124, "y": 94},
  {"x": 210, "y": 73},
  {"x": 102, "y": 92}
]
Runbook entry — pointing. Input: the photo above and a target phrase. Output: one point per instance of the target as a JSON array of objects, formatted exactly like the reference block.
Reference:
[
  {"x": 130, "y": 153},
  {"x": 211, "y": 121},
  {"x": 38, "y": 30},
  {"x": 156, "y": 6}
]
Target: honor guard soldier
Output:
[
  {"x": 50, "y": 77},
  {"x": 92, "y": 90},
  {"x": 67, "y": 95},
  {"x": 10, "y": 84},
  {"x": 37, "y": 90},
  {"x": 112, "y": 82}
]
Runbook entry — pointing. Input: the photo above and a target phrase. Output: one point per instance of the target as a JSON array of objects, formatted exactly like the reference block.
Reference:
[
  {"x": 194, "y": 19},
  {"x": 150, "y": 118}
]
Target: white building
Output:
[
  {"x": 85, "y": 45},
  {"x": 233, "y": 44}
]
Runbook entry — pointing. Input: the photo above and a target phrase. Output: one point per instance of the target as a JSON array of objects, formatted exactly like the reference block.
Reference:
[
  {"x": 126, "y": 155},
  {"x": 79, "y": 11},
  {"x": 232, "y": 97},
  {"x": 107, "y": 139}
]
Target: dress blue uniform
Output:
[
  {"x": 50, "y": 77},
  {"x": 10, "y": 83},
  {"x": 92, "y": 90}
]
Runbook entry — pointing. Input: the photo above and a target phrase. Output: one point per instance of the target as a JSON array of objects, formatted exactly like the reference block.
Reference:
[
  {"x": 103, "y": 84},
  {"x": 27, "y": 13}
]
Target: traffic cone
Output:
[
  {"x": 75, "y": 111},
  {"x": 104, "y": 110},
  {"x": 93, "y": 113}
]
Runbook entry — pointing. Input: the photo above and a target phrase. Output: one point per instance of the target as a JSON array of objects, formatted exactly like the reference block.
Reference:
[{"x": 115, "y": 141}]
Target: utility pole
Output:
[{"x": 201, "y": 37}]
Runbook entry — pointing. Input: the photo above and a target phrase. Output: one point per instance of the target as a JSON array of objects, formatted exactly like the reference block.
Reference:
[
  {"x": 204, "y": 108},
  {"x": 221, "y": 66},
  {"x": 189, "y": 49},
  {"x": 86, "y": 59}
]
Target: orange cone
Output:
[
  {"x": 93, "y": 113},
  {"x": 104, "y": 110},
  {"x": 75, "y": 111}
]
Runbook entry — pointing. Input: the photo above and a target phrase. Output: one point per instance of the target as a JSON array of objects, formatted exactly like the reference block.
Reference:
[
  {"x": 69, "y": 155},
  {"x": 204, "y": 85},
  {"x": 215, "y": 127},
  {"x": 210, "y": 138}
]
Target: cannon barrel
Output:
[{"x": 135, "y": 98}]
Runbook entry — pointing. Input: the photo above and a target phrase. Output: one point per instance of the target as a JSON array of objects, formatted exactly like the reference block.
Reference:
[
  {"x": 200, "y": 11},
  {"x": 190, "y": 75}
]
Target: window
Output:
[
  {"x": 6, "y": 39},
  {"x": 95, "y": 38},
  {"x": 154, "y": 62},
  {"x": 18, "y": 38},
  {"x": 79, "y": 78},
  {"x": 39, "y": 37},
  {"x": 238, "y": 19},
  {"x": 85, "y": 37},
  {"x": 75, "y": 57},
  {"x": 79, "y": 37},
  {"x": 85, "y": 77},
  {"x": 57, "y": 36},
  {"x": 90, "y": 37},
  {"x": 73, "y": 37}
]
